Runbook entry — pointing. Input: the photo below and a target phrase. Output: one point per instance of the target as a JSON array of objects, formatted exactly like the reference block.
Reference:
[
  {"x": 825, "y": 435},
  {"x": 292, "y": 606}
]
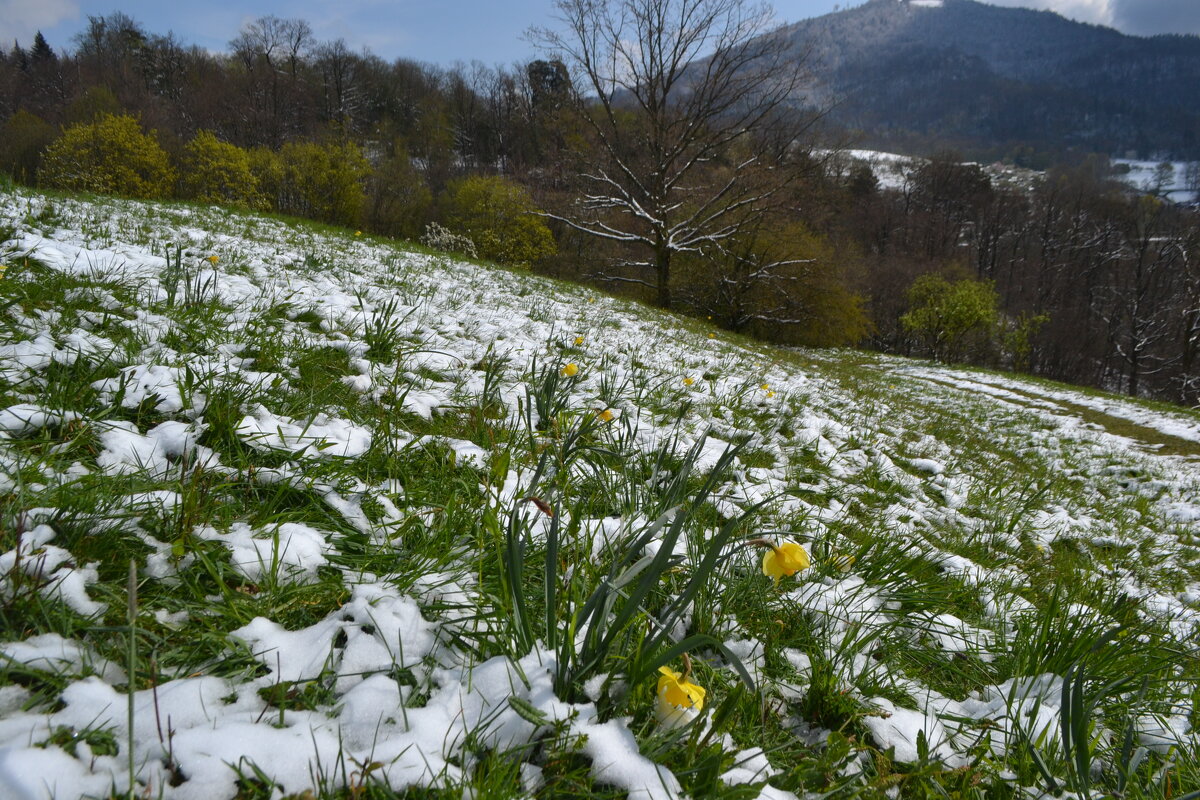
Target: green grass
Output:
[{"x": 892, "y": 547}]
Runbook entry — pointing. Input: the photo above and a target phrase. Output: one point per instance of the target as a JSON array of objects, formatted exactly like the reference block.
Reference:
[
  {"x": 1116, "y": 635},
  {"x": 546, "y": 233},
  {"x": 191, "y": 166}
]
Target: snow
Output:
[
  {"x": 144, "y": 383},
  {"x": 901, "y": 728},
  {"x": 25, "y": 418},
  {"x": 844, "y": 465},
  {"x": 617, "y": 762},
  {"x": 290, "y": 552},
  {"x": 319, "y": 437},
  {"x": 50, "y": 652},
  {"x": 1142, "y": 175}
]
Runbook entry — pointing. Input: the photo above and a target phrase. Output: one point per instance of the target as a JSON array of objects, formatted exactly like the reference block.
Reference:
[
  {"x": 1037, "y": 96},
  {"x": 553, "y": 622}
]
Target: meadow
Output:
[{"x": 292, "y": 511}]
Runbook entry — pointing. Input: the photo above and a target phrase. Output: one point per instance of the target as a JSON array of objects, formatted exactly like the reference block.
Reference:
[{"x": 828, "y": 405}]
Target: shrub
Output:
[
  {"x": 399, "y": 199},
  {"x": 438, "y": 238},
  {"x": 23, "y": 139},
  {"x": 954, "y": 319},
  {"x": 499, "y": 217},
  {"x": 219, "y": 172},
  {"x": 267, "y": 170},
  {"x": 779, "y": 282},
  {"x": 95, "y": 102},
  {"x": 110, "y": 155},
  {"x": 323, "y": 181}
]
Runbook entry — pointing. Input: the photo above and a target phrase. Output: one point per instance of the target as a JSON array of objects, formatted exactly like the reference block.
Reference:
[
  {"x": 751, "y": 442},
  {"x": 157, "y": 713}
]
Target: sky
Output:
[{"x": 449, "y": 31}]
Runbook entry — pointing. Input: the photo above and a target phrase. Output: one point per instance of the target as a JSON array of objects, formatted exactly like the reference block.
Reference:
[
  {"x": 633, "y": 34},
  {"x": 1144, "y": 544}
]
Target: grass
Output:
[{"x": 581, "y": 552}]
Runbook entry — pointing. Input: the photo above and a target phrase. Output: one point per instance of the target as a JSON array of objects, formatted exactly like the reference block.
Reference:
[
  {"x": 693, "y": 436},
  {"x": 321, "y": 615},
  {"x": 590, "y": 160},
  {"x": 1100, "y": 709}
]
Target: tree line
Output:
[{"x": 687, "y": 176}]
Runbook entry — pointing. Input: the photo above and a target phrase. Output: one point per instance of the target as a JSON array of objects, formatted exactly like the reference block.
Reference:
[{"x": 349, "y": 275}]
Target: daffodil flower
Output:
[
  {"x": 213, "y": 260},
  {"x": 578, "y": 341},
  {"x": 570, "y": 370},
  {"x": 784, "y": 559},
  {"x": 688, "y": 381},
  {"x": 679, "y": 700},
  {"x": 605, "y": 416}
]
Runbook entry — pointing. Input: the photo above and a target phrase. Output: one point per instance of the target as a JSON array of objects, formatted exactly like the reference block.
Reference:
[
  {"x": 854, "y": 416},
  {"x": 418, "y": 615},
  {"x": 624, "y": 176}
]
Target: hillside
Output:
[
  {"x": 998, "y": 81},
  {"x": 401, "y": 522}
]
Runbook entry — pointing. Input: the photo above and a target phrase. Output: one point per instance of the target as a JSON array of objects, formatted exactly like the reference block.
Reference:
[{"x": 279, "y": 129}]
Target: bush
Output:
[
  {"x": 323, "y": 181},
  {"x": 219, "y": 172},
  {"x": 267, "y": 170},
  {"x": 954, "y": 320},
  {"x": 23, "y": 139},
  {"x": 400, "y": 201},
  {"x": 499, "y": 217},
  {"x": 438, "y": 238},
  {"x": 780, "y": 282},
  {"x": 110, "y": 155}
]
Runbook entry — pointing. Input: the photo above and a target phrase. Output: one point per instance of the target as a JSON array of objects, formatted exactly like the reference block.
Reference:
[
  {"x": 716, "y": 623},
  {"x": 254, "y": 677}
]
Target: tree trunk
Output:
[{"x": 662, "y": 269}]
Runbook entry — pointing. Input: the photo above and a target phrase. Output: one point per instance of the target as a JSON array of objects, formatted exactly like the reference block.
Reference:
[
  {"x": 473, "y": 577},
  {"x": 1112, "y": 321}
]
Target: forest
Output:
[{"x": 1076, "y": 277}]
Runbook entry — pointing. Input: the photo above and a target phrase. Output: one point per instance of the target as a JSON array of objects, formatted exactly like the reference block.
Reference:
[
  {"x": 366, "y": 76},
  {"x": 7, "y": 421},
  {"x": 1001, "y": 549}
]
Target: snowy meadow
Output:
[{"x": 288, "y": 511}]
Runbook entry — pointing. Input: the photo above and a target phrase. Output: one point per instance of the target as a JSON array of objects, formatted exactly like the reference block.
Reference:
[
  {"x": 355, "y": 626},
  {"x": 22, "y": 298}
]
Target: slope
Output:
[{"x": 400, "y": 523}]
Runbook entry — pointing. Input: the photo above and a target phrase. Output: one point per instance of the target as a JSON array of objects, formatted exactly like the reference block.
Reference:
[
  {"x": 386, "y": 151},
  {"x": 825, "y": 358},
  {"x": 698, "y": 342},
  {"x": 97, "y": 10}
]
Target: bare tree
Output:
[
  {"x": 270, "y": 52},
  {"x": 689, "y": 105}
]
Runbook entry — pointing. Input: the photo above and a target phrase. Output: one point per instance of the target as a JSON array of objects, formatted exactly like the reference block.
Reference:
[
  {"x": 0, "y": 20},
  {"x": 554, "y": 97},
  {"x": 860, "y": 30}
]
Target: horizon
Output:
[{"x": 420, "y": 32}]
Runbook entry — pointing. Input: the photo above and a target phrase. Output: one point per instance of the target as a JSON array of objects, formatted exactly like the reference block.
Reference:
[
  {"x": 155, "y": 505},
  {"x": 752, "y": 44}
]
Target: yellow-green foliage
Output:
[
  {"x": 110, "y": 155},
  {"x": 399, "y": 199},
  {"x": 23, "y": 139},
  {"x": 500, "y": 218},
  {"x": 954, "y": 319},
  {"x": 781, "y": 282},
  {"x": 219, "y": 172},
  {"x": 828, "y": 312},
  {"x": 95, "y": 101},
  {"x": 267, "y": 169},
  {"x": 323, "y": 181}
]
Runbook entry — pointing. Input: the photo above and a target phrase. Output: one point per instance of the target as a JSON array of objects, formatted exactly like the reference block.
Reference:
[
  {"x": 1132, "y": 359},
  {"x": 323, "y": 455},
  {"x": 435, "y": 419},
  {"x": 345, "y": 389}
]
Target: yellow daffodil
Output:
[
  {"x": 688, "y": 381},
  {"x": 784, "y": 559},
  {"x": 605, "y": 416},
  {"x": 358, "y": 233},
  {"x": 679, "y": 700},
  {"x": 578, "y": 341},
  {"x": 843, "y": 563},
  {"x": 766, "y": 387},
  {"x": 770, "y": 394},
  {"x": 712, "y": 336},
  {"x": 213, "y": 260},
  {"x": 570, "y": 370}
]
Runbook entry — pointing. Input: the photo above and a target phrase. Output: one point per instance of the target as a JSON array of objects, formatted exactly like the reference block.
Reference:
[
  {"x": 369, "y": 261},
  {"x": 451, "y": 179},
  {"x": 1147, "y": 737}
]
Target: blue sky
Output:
[{"x": 462, "y": 30}]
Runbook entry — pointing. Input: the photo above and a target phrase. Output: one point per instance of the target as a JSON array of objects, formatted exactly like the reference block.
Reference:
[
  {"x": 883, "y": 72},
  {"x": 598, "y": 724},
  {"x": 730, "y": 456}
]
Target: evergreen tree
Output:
[{"x": 41, "y": 52}]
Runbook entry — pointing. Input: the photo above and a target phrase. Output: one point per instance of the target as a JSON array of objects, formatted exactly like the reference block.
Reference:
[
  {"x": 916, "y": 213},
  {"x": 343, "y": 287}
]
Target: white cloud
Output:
[
  {"x": 23, "y": 19},
  {"x": 1148, "y": 17},
  {"x": 1098, "y": 12}
]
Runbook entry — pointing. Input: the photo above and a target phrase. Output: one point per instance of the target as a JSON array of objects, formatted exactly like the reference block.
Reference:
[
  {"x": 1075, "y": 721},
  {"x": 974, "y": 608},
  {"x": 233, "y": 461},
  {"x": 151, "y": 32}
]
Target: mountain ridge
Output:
[{"x": 995, "y": 79}]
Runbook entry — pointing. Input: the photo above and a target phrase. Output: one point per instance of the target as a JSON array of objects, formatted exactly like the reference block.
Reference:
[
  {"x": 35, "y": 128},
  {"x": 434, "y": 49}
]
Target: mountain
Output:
[{"x": 920, "y": 74}]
